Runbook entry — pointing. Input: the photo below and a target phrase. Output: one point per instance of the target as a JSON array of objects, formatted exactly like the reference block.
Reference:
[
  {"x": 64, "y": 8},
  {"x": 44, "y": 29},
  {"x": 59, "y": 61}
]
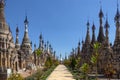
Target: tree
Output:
[
  {"x": 56, "y": 62},
  {"x": 73, "y": 63},
  {"x": 48, "y": 62},
  {"x": 38, "y": 52},
  {"x": 95, "y": 56},
  {"x": 66, "y": 62},
  {"x": 78, "y": 62},
  {"x": 85, "y": 69}
]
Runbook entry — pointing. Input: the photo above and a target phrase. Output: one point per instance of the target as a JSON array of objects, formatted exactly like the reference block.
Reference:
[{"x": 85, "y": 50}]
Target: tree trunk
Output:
[
  {"x": 86, "y": 78},
  {"x": 96, "y": 73}
]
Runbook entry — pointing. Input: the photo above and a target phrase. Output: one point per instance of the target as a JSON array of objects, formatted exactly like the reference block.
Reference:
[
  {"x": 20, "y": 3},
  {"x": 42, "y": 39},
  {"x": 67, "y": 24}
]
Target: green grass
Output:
[
  {"x": 77, "y": 74},
  {"x": 41, "y": 74},
  {"x": 47, "y": 73}
]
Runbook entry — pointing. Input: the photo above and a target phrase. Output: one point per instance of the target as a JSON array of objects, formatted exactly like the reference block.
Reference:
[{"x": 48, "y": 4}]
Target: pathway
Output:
[{"x": 60, "y": 73}]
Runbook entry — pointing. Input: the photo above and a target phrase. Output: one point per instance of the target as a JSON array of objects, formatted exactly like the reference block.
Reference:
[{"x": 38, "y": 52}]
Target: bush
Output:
[
  {"x": 48, "y": 62},
  {"x": 66, "y": 63},
  {"x": 55, "y": 62},
  {"x": 41, "y": 74},
  {"x": 15, "y": 76},
  {"x": 73, "y": 63}
]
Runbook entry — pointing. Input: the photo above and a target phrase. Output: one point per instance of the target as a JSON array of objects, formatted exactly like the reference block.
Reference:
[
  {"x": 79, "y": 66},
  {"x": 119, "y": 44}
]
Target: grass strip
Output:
[{"x": 41, "y": 74}]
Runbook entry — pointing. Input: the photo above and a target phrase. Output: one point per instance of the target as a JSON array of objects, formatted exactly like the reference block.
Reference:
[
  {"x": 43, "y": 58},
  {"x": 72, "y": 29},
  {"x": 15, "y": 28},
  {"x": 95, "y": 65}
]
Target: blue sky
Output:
[{"x": 62, "y": 22}]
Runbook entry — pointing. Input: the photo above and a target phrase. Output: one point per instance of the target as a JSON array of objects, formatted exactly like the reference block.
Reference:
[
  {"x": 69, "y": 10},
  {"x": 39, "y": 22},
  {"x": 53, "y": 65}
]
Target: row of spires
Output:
[
  {"x": 104, "y": 39},
  {"x": 26, "y": 38},
  {"x": 101, "y": 37}
]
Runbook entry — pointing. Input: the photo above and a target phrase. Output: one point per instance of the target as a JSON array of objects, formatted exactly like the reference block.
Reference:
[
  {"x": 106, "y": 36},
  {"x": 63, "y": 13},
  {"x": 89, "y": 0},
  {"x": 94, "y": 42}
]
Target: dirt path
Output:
[{"x": 60, "y": 73}]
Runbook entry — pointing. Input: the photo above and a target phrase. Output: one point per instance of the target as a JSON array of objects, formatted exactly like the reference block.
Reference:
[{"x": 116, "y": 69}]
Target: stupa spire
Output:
[
  {"x": 101, "y": 36},
  {"x": 87, "y": 40}
]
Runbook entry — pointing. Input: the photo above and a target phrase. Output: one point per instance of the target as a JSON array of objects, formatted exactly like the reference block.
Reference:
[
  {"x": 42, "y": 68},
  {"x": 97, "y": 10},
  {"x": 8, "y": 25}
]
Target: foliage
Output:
[
  {"x": 55, "y": 62},
  {"x": 95, "y": 56},
  {"x": 93, "y": 59},
  {"x": 78, "y": 62},
  {"x": 41, "y": 75},
  {"x": 66, "y": 62},
  {"x": 85, "y": 69},
  {"x": 48, "y": 62},
  {"x": 15, "y": 76},
  {"x": 35, "y": 76},
  {"x": 38, "y": 52},
  {"x": 96, "y": 47},
  {"x": 38, "y": 74},
  {"x": 47, "y": 73},
  {"x": 73, "y": 63},
  {"x": 49, "y": 66}
]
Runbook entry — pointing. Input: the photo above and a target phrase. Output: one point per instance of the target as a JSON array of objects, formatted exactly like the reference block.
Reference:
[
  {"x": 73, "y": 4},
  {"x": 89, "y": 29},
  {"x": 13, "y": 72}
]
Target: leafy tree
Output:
[
  {"x": 93, "y": 59},
  {"x": 38, "y": 52},
  {"x": 85, "y": 69},
  {"x": 96, "y": 47},
  {"x": 95, "y": 56},
  {"x": 73, "y": 63},
  {"x": 55, "y": 62},
  {"x": 66, "y": 62},
  {"x": 48, "y": 62},
  {"x": 78, "y": 62},
  {"x": 15, "y": 76}
]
